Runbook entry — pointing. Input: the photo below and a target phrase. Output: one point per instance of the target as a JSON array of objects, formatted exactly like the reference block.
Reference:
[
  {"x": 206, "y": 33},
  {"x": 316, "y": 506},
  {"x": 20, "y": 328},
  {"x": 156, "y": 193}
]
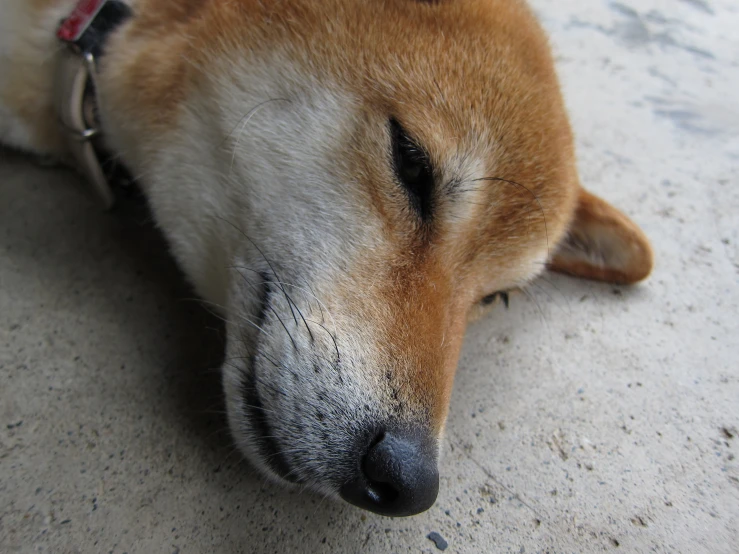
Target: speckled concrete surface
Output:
[{"x": 586, "y": 418}]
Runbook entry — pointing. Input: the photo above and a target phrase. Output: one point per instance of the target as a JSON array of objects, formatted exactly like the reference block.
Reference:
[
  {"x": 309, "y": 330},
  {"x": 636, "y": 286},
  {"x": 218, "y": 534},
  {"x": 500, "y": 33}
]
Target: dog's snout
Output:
[{"x": 397, "y": 475}]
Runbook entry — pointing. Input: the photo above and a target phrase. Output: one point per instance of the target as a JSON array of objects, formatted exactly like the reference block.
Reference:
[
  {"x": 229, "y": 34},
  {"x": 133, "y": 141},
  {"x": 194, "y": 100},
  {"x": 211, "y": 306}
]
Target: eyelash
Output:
[
  {"x": 413, "y": 170},
  {"x": 490, "y": 298}
]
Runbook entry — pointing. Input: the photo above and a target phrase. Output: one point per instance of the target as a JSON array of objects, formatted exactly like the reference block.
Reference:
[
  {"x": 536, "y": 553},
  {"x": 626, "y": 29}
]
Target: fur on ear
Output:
[{"x": 603, "y": 244}]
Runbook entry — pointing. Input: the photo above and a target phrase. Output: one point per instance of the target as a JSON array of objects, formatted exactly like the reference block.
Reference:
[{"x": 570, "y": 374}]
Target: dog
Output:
[{"x": 345, "y": 181}]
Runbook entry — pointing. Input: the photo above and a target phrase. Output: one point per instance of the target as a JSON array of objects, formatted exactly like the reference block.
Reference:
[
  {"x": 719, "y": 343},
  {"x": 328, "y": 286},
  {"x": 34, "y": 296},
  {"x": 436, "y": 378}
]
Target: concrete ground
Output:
[{"x": 587, "y": 418}]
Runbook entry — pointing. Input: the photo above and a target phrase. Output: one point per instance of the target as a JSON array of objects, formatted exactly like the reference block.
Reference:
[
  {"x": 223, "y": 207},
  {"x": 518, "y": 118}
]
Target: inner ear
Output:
[{"x": 603, "y": 244}]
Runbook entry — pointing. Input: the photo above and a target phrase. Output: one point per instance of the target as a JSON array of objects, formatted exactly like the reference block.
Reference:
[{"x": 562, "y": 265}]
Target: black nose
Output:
[{"x": 397, "y": 476}]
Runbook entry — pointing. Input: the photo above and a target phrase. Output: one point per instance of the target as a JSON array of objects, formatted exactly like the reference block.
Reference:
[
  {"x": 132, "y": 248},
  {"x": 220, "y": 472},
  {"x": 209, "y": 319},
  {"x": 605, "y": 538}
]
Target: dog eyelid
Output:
[
  {"x": 490, "y": 298},
  {"x": 413, "y": 170}
]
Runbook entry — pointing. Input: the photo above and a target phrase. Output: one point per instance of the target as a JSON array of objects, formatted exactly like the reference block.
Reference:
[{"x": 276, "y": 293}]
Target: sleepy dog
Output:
[{"x": 345, "y": 180}]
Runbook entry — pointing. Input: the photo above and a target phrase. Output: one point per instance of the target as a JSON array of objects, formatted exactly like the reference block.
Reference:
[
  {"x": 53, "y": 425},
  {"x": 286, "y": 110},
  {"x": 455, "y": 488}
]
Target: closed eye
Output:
[
  {"x": 413, "y": 171},
  {"x": 500, "y": 295}
]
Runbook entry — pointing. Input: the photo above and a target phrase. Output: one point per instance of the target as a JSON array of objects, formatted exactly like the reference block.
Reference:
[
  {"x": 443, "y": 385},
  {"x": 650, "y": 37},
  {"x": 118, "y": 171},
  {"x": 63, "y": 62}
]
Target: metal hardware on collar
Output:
[
  {"x": 84, "y": 32},
  {"x": 73, "y": 73}
]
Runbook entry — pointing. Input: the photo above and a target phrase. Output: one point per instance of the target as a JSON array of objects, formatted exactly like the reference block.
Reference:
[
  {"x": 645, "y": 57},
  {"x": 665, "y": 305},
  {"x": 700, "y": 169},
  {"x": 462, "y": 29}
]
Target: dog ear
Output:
[{"x": 603, "y": 244}]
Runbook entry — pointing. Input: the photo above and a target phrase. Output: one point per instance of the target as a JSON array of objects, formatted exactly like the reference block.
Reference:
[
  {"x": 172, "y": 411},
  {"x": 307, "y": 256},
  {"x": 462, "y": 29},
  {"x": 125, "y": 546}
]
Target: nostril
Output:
[
  {"x": 379, "y": 489},
  {"x": 383, "y": 494}
]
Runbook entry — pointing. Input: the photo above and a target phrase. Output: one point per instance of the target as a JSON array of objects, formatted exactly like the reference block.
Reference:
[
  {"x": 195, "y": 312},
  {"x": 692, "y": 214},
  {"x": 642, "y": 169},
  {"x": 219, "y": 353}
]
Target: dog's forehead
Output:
[
  {"x": 473, "y": 82},
  {"x": 464, "y": 60}
]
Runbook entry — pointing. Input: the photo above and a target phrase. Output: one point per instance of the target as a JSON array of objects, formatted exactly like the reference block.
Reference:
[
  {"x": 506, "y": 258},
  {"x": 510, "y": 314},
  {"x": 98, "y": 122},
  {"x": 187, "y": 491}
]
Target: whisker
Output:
[
  {"x": 289, "y": 299},
  {"x": 243, "y": 122},
  {"x": 281, "y": 284},
  {"x": 272, "y": 309},
  {"x": 271, "y": 266},
  {"x": 333, "y": 338},
  {"x": 302, "y": 317},
  {"x": 205, "y": 305},
  {"x": 556, "y": 288},
  {"x": 542, "y": 315},
  {"x": 250, "y": 322}
]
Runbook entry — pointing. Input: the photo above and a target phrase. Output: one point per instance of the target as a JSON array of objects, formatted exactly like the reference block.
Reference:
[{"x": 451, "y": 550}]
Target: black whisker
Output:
[
  {"x": 333, "y": 338},
  {"x": 295, "y": 345},
  {"x": 267, "y": 282},
  {"x": 305, "y": 323},
  {"x": 313, "y": 293},
  {"x": 542, "y": 315},
  {"x": 271, "y": 267}
]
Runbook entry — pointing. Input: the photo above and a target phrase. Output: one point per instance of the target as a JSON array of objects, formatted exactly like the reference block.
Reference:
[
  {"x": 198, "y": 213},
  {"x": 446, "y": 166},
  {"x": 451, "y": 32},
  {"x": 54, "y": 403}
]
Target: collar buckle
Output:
[
  {"x": 84, "y": 32},
  {"x": 74, "y": 84}
]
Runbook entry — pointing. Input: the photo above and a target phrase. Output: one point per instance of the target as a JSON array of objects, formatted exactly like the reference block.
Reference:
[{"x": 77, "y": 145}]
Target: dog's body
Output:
[{"x": 345, "y": 180}]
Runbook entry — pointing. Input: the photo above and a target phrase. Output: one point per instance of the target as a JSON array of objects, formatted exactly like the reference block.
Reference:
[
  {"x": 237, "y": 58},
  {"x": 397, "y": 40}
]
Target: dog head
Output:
[{"x": 348, "y": 180}]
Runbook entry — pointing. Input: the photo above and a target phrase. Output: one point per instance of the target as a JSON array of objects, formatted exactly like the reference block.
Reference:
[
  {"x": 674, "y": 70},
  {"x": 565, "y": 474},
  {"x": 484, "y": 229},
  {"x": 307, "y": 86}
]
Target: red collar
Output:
[{"x": 73, "y": 27}]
